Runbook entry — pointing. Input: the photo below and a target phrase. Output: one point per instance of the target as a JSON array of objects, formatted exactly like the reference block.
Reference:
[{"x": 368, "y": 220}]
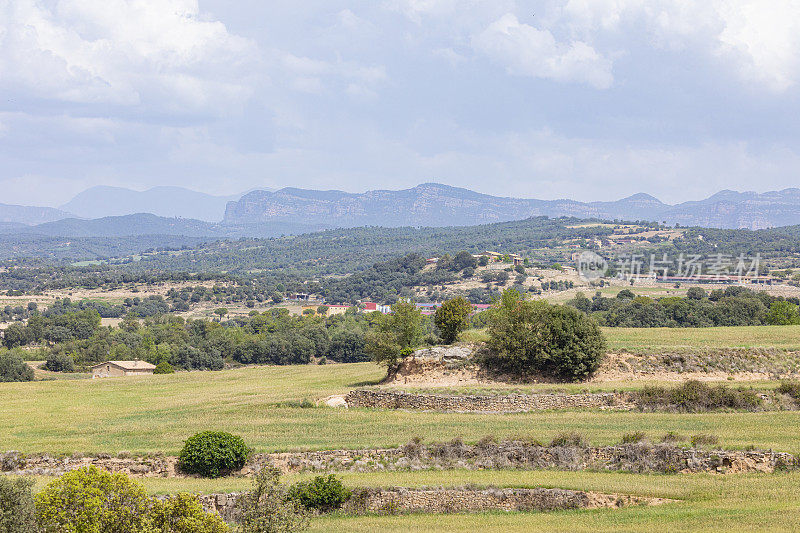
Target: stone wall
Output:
[
  {"x": 521, "y": 455},
  {"x": 396, "y": 500},
  {"x": 498, "y": 403}
]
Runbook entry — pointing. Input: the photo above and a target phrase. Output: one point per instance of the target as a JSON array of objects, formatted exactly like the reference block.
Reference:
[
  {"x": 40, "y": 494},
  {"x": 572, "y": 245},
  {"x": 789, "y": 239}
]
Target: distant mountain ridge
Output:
[
  {"x": 180, "y": 211},
  {"x": 26, "y": 214},
  {"x": 141, "y": 224},
  {"x": 104, "y": 201},
  {"x": 433, "y": 204}
]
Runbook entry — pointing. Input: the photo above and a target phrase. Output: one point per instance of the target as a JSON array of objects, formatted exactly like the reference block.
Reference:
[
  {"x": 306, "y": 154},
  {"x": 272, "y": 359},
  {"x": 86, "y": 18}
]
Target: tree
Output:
[
  {"x": 267, "y": 507},
  {"x": 396, "y": 334},
  {"x": 695, "y": 293},
  {"x": 535, "y": 337},
  {"x": 406, "y": 322},
  {"x": 17, "y": 510},
  {"x": 452, "y": 318},
  {"x": 463, "y": 260},
  {"x": 221, "y": 312},
  {"x": 13, "y": 368},
  {"x": 782, "y": 313}
]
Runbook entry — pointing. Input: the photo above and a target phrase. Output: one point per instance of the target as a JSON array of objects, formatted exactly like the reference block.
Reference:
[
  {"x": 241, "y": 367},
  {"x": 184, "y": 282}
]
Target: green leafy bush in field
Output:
[
  {"x": 164, "y": 368},
  {"x": 13, "y": 368},
  {"x": 183, "y": 513},
  {"x": 17, "y": 509},
  {"x": 696, "y": 396},
  {"x": 529, "y": 337},
  {"x": 89, "y": 500},
  {"x": 321, "y": 494},
  {"x": 213, "y": 453},
  {"x": 60, "y": 363}
]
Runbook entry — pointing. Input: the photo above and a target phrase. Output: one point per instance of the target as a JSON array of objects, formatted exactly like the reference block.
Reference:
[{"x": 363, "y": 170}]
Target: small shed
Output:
[{"x": 111, "y": 369}]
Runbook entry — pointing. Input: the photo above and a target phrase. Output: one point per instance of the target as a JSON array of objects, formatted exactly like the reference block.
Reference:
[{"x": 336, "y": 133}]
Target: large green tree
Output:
[
  {"x": 452, "y": 318},
  {"x": 530, "y": 337}
]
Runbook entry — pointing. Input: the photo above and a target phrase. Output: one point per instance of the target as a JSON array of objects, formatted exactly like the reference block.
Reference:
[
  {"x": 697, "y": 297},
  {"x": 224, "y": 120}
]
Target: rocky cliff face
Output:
[{"x": 433, "y": 204}]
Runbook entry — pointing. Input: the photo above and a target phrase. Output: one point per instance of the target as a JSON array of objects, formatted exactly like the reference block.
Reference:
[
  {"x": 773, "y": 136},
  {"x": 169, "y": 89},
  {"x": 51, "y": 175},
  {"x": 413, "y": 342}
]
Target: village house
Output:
[{"x": 112, "y": 369}]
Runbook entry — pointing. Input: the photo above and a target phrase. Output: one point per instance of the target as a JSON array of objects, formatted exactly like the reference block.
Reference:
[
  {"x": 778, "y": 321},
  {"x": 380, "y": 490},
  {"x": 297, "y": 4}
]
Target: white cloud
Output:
[
  {"x": 759, "y": 39},
  {"x": 316, "y": 75},
  {"x": 528, "y": 51},
  {"x": 163, "y": 54}
]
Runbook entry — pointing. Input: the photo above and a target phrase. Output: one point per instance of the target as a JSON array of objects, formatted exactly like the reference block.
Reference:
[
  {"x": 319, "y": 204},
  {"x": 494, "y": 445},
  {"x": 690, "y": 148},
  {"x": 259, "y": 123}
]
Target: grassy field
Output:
[
  {"x": 157, "y": 413},
  {"x": 747, "y": 502},
  {"x": 655, "y": 339},
  {"x": 647, "y": 340}
]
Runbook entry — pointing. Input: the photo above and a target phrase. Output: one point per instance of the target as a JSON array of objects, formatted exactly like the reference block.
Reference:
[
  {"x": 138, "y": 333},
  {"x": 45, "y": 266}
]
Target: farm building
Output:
[{"x": 112, "y": 369}]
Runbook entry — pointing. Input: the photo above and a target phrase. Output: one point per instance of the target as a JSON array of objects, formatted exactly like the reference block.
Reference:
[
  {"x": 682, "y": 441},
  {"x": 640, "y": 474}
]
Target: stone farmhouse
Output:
[{"x": 111, "y": 369}]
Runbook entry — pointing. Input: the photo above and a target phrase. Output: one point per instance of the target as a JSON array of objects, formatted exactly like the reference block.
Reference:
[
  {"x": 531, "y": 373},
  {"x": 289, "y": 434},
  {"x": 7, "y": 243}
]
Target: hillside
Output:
[
  {"x": 29, "y": 215},
  {"x": 433, "y": 204}
]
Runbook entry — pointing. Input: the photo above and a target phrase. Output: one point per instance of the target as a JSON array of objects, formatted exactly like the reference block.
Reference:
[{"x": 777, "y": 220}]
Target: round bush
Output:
[
  {"x": 322, "y": 493},
  {"x": 60, "y": 363},
  {"x": 213, "y": 454},
  {"x": 13, "y": 368},
  {"x": 164, "y": 368}
]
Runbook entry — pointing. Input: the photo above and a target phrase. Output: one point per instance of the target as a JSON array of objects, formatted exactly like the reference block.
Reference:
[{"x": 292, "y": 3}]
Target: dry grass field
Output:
[{"x": 156, "y": 413}]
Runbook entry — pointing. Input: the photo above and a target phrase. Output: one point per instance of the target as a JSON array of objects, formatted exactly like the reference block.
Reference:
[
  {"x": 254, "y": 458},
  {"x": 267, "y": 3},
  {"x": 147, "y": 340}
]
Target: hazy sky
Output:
[{"x": 588, "y": 99}]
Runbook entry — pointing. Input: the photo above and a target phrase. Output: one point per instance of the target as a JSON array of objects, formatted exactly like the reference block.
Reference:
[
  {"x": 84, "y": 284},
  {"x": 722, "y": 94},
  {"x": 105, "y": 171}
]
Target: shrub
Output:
[
  {"x": 164, "y": 368},
  {"x": 268, "y": 509},
  {"x": 696, "y": 396},
  {"x": 536, "y": 337},
  {"x": 13, "y": 368},
  {"x": 792, "y": 388},
  {"x": 92, "y": 500},
  {"x": 569, "y": 439},
  {"x": 703, "y": 439},
  {"x": 452, "y": 318},
  {"x": 182, "y": 513},
  {"x": 633, "y": 438},
  {"x": 17, "y": 509},
  {"x": 213, "y": 453},
  {"x": 321, "y": 494},
  {"x": 671, "y": 436},
  {"x": 59, "y": 363}
]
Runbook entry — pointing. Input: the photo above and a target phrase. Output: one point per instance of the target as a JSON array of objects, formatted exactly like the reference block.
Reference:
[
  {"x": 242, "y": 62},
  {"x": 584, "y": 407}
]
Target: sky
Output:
[{"x": 583, "y": 99}]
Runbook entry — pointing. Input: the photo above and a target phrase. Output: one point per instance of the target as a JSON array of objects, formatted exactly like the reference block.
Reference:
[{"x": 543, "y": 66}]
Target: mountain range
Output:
[
  {"x": 114, "y": 212},
  {"x": 433, "y": 204}
]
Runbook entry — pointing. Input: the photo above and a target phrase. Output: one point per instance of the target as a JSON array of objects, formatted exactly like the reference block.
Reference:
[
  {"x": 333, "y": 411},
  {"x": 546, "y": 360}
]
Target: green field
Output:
[
  {"x": 737, "y": 502},
  {"x": 654, "y": 340},
  {"x": 156, "y": 414},
  {"x": 657, "y": 339}
]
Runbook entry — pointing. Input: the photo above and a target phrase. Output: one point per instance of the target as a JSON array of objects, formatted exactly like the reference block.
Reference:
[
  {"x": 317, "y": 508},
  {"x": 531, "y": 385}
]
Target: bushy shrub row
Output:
[{"x": 696, "y": 396}]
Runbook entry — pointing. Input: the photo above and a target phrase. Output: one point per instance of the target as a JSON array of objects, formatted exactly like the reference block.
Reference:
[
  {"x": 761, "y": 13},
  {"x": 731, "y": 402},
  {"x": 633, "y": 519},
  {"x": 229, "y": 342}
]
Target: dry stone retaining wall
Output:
[
  {"x": 453, "y": 500},
  {"x": 499, "y": 403},
  {"x": 521, "y": 455}
]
